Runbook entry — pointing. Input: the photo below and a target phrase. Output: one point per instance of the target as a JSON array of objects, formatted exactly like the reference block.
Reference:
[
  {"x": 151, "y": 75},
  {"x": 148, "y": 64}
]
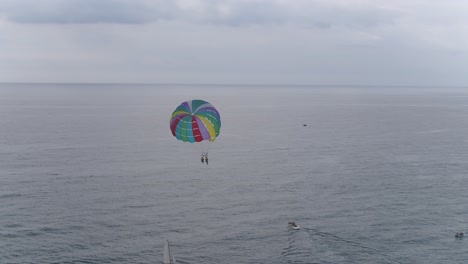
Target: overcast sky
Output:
[{"x": 358, "y": 42}]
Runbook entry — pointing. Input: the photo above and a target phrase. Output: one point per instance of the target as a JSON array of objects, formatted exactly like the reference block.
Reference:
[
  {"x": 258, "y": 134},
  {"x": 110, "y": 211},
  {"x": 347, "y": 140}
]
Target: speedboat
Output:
[{"x": 293, "y": 225}]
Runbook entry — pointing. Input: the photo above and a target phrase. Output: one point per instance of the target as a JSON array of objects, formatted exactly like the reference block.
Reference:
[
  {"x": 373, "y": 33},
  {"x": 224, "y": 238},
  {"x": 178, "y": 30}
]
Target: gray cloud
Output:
[
  {"x": 219, "y": 12},
  {"x": 83, "y": 11},
  {"x": 235, "y": 41}
]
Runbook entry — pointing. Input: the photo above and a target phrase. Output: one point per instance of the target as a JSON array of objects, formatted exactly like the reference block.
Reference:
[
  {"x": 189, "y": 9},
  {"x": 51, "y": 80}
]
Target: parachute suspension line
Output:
[{"x": 204, "y": 147}]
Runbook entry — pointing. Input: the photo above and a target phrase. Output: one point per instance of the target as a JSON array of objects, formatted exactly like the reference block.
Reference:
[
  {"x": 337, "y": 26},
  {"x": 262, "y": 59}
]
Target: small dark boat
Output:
[{"x": 293, "y": 225}]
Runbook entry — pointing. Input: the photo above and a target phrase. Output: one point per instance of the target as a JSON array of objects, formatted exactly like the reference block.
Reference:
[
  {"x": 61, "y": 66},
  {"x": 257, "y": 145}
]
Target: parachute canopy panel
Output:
[{"x": 195, "y": 121}]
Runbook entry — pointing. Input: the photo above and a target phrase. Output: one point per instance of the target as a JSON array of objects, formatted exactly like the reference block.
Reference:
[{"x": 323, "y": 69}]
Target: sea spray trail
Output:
[
  {"x": 305, "y": 248},
  {"x": 313, "y": 246}
]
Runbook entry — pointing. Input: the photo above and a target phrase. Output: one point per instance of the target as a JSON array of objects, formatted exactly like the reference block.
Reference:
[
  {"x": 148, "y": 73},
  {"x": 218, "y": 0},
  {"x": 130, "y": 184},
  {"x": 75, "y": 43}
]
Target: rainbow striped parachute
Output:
[{"x": 195, "y": 121}]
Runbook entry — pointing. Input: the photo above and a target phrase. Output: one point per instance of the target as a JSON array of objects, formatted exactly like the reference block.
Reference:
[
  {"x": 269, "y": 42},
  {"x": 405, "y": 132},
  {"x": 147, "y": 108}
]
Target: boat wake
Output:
[{"x": 313, "y": 246}]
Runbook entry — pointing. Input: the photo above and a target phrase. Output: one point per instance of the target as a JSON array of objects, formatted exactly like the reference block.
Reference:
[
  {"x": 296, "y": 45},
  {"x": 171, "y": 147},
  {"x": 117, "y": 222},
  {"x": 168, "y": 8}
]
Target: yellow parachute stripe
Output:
[
  {"x": 209, "y": 126},
  {"x": 179, "y": 113}
]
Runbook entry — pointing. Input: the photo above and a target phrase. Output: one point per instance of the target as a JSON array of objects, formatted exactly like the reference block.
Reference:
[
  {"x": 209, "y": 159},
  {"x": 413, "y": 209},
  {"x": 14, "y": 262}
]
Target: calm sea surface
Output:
[{"x": 92, "y": 174}]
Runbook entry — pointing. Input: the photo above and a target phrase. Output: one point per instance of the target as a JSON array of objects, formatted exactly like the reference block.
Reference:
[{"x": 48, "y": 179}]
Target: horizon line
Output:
[{"x": 243, "y": 84}]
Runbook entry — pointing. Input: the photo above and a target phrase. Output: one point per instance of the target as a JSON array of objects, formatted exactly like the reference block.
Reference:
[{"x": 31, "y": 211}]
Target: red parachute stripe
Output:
[
  {"x": 174, "y": 125},
  {"x": 196, "y": 130}
]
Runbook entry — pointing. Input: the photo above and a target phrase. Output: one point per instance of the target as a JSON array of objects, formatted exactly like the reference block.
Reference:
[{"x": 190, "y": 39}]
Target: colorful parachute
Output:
[{"x": 195, "y": 121}]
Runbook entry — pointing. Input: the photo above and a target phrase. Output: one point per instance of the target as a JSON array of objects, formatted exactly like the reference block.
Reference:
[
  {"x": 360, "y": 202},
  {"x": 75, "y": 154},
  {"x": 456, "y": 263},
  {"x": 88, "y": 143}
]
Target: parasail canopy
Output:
[{"x": 195, "y": 121}]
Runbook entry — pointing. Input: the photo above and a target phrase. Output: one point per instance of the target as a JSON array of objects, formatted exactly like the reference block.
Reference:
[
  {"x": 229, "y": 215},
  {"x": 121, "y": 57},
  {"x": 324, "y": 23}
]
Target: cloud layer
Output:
[
  {"x": 235, "y": 41},
  {"x": 227, "y": 12}
]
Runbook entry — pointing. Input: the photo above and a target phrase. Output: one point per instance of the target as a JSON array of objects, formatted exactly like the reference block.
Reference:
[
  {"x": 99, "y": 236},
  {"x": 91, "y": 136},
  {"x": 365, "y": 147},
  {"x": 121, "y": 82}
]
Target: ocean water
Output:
[{"x": 92, "y": 174}]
